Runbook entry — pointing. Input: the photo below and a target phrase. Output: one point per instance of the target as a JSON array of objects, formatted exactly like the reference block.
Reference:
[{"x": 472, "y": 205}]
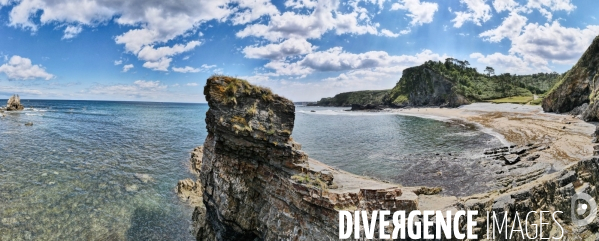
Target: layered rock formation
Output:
[
  {"x": 255, "y": 183},
  {"x": 577, "y": 87},
  {"x": 258, "y": 184},
  {"x": 421, "y": 86},
  {"x": 14, "y": 103}
]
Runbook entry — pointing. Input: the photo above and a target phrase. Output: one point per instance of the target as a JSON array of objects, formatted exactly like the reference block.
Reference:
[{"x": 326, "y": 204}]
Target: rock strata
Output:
[
  {"x": 14, "y": 103},
  {"x": 576, "y": 92},
  {"x": 256, "y": 182}
]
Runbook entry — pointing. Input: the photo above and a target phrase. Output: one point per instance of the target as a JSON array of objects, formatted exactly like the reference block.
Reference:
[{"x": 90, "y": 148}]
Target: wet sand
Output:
[{"x": 569, "y": 138}]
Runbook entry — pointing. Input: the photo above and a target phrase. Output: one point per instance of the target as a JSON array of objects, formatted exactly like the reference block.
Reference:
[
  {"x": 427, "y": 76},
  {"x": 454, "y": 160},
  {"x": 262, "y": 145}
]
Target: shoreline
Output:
[{"x": 517, "y": 124}]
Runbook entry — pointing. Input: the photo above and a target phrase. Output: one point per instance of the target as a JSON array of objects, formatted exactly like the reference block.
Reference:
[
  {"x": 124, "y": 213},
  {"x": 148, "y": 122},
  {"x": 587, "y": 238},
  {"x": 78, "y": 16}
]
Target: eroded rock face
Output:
[
  {"x": 258, "y": 184},
  {"x": 578, "y": 86},
  {"x": 421, "y": 86},
  {"x": 14, "y": 103}
]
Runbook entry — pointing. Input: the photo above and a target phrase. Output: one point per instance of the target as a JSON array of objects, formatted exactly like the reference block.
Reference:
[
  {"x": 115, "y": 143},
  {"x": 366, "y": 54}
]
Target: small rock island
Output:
[{"x": 14, "y": 103}]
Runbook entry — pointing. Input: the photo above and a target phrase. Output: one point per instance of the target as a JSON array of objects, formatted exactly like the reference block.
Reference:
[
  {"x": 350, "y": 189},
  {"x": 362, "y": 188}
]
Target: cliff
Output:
[
  {"x": 255, "y": 183},
  {"x": 578, "y": 86},
  {"x": 421, "y": 86},
  {"x": 258, "y": 184},
  {"x": 451, "y": 83},
  {"x": 14, "y": 103},
  {"x": 365, "y": 97}
]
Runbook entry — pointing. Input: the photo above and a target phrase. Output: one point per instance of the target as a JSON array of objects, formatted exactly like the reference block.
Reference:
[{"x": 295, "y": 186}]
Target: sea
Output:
[{"x": 107, "y": 170}]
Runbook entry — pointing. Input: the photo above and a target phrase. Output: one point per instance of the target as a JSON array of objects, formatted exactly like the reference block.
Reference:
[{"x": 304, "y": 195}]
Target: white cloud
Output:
[
  {"x": 335, "y": 59},
  {"x": 186, "y": 69},
  {"x": 127, "y": 67},
  {"x": 203, "y": 68},
  {"x": 477, "y": 11},
  {"x": 149, "y": 53},
  {"x": 507, "y": 63},
  {"x": 419, "y": 12},
  {"x": 207, "y": 67},
  {"x": 149, "y": 84},
  {"x": 118, "y": 62},
  {"x": 301, "y": 3},
  {"x": 286, "y": 48},
  {"x": 537, "y": 45},
  {"x": 388, "y": 33},
  {"x": 252, "y": 10},
  {"x": 71, "y": 31},
  {"x": 553, "y": 5},
  {"x": 322, "y": 17},
  {"x": 159, "y": 58},
  {"x": 504, "y": 5},
  {"x": 160, "y": 65},
  {"x": 139, "y": 88},
  {"x": 192, "y": 84},
  {"x": 510, "y": 28},
  {"x": 20, "y": 68},
  {"x": 152, "y": 22},
  {"x": 553, "y": 42}
]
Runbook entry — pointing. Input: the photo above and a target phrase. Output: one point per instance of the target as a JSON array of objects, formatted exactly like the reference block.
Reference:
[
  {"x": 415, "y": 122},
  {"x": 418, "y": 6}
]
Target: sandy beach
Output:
[{"x": 569, "y": 138}]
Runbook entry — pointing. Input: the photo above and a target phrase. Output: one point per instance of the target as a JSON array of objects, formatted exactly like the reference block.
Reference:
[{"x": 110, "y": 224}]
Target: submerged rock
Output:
[
  {"x": 145, "y": 178},
  {"x": 14, "y": 103},
  {"x": 131, "y": 188}
]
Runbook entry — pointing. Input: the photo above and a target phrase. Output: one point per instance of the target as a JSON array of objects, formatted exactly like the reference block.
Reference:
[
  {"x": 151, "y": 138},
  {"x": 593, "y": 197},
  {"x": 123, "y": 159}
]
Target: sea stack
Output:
[
  {"x": 258, "y": 185},
  {"x": 14, "y": 103}
]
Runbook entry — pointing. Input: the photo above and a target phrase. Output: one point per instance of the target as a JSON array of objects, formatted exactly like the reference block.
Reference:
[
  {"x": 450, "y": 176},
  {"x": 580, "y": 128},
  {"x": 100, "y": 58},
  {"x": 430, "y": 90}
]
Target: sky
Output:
[{"x": 164, "y": 50}]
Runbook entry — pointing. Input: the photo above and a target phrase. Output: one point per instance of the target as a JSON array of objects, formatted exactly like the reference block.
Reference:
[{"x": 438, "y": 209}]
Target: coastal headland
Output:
[{"x": 256, "y": 183}]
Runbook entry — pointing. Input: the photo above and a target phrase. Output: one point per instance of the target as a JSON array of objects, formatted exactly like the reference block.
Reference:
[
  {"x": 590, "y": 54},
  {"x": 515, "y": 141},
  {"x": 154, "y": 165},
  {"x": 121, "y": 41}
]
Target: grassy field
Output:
[{"x": 513, "y": 100}]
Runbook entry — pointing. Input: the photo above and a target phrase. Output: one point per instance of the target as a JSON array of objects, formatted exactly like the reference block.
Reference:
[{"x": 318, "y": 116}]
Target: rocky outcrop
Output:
[
  {"x": 365, "y": 107},
  {"x": 552, "y": 193},
  {"x": 257, "y": 183},
  {"x": 578, "y": 86},
  {"x": 14, "y": 103},
  {"x": 421, "y": 86},
  {"x": 364, "y": 97}
]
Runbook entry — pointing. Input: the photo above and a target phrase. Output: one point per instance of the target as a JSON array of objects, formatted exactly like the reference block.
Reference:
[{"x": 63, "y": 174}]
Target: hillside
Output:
[
  {"x": 578, "y": 87},
  {"x": 364, "y": 97},
  {"x": 451, "y": 83}
]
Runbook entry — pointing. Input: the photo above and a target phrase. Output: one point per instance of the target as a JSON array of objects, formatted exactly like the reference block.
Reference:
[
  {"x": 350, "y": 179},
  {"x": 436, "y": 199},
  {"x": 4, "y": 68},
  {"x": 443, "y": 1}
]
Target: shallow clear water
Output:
[
  {"x": 71, "y": 176},
  {"x": 379, "y": 144},
  {"x": 79, "y": 173}
]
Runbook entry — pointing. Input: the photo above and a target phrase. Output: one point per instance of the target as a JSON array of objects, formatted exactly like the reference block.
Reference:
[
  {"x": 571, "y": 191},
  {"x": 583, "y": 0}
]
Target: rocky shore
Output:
[
  {"x": 14, "y": 103},
  {"x": 255, "y": 183}
]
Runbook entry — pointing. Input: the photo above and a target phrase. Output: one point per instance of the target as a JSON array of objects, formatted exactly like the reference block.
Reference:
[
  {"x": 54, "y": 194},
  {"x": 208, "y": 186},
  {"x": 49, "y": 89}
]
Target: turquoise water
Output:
[
  {"x": 71, "y": 176},
  {"x": 94, "y": 170}
]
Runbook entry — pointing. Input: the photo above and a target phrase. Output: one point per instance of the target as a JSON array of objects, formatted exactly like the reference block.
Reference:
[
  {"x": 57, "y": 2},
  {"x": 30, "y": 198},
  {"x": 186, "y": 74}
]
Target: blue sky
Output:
[{"x": 162, "y": 50}]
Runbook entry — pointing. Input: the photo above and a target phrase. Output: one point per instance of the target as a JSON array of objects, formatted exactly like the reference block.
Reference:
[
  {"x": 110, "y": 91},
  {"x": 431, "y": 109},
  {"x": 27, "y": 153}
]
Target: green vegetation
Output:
[
  {"x": 253, "y": 110},
  {"x": 240, "y": 124},
  {"x": 514, "y": 100},
  {"x": 468, "y": 82},
  {"x": 310, "y": 180},
  {"x": 232, "y": 87},
  {"x": 364, "y": 97},
  {"x": 457, "y": 76}
]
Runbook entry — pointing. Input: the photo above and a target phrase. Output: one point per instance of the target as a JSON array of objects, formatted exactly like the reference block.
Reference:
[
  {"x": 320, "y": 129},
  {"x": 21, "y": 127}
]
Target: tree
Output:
[{"x": 490, "y": 71}]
